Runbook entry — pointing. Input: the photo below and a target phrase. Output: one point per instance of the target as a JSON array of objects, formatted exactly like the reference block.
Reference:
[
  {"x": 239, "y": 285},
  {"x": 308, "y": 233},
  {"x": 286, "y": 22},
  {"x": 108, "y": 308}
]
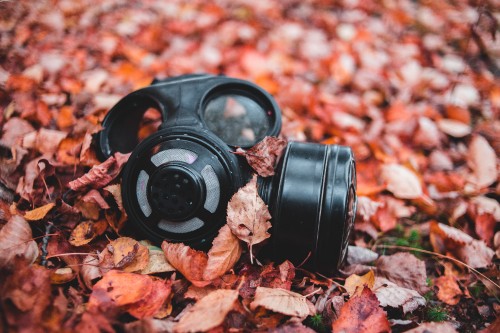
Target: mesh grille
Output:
[
  {"x": 213, "y": 188},
  {"x": 181, "y": 227},
  {"x": 177, "y": 154},
  {"x": 142, "y": 197}
]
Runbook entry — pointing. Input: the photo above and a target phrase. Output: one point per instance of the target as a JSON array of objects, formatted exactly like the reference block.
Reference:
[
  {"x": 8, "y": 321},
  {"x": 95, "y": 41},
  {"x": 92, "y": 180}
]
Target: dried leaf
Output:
[
  {"x": 224, "y": 253},
  {"x": 128, "y": 254},
  {"x": 116, "y": 191},
  {"x": 189, "y": 262},
  {"x": 140, "y": 295},
  {"x": 95, "y": 197},
  {"x": 248, "y": 216},
  {"x": 390, "y": 294},
  {"x": 454, "y": 128},
  {"x": 16, "y": 239},
  {"x": 209, "y": 312},
  {"x": 355, "y": 284},
  {"x": 39, "y": 213},
  {"x": 404, "y": 269},
  {"x": 360, "y": 255},
  {"x": 83, "y": 234},
  {"x": 264, "y": 156},
  {"x": 157, "y": 262},
  {"x": 448, "y": 289},
  {"x": 102, "y": 174},
  {"x": 282, "y": 301},
  {"x": 401, "y": 181},
  {"x": 482, "y": 160},
  {"x": 471, "y": 251},
  {"x": 90, "y": 270},
  {"x": 362, "y": 314}
]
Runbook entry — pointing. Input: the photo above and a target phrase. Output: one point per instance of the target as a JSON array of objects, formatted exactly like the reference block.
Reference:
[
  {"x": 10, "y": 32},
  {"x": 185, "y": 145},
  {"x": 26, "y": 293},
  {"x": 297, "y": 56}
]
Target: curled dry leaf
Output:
[
  {"x": 39, "y": 213},
  {"x": 90, "y": 270},
  {"x": 224, "y": 253},
  {"x": 116, "y": 191},
  {"x": 102, "y": 174},
  {"x": 471, "y": 251},
  {"x": 355, "y": 284},
  {"x": 482, "y": 160},
  {"x": 283, "y": 301},
  {"x": 209, "y": 312},
  {"x": 189, "y": 262},
  {"x": 140, "y": 295},
  {"x": 248, "y": 216},
  {"x": 16, "y": 239},
  {"x": 95, "y": 197},
  {"x": 448, "y": 289},
  {"x": 362, "y": 314},
  {"x": 401, "y": 181},
  {"x": 404, "y": 269},
  {"x": 390, "y": 294},
  {"x": 265, "y": 155}
]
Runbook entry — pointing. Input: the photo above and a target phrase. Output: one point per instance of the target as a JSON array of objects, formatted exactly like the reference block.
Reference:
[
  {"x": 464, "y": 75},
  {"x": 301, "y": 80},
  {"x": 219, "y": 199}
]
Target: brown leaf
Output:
[
  {"x": 95, "y": 197},
  {"x": 454, "y": 128},
  {"x": 140, "y": 295},
  {"x": 189, "y": 262},
  {"x": 264, "y": 156},
  {"x": 83, "y": 234},
  {"x": 16, "y": 239},
  {"x": 39, "y": 213},
  {"x": 401, "y": 181},
  {"x": 282, "y": 301},
  {"x": 405, "y": 270},
  {"x": 128, "y": 254},
  {"x": 90, "y": 270},
  {"x": 432, "y": 327},
  {"x": 102, "y": 174},
  {"x": 45, "y": 140},
  {"x": 157, "y": 262},
  {"x": 471, "y": 251},
  {"x": 448, "y": 289},
  {"x": 482, "y": 159},
  {"x": 25, "y": 296},
  {"x": 116, "y": 191},
  {"x": 355, "y": 284},
  {"x": 248, "y": 216},
  {"x": 362, "y": 314},
  {"x": 224, "y": 253},
  {"x": 209, "y": 312},
  {"x": 390, "y": 294}
]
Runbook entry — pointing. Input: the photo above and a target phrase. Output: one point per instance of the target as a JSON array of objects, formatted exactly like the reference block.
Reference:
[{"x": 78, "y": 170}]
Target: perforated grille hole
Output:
[
  {"x": 213, "y": 188},
  {"x": 175, "y": 154},
  {"x": 142, "y": 198},
  {"x": 181, "y": 227}
]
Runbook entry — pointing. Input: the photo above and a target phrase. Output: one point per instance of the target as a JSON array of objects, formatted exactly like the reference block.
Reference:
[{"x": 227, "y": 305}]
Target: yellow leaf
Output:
[
  {"x": 39, "y": 213},
  {"x": 354, "y": 284}
]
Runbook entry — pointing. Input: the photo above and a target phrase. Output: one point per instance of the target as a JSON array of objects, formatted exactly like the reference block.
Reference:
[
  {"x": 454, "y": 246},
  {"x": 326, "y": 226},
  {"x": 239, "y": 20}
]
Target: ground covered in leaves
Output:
[{"x": 411, "y": 86}]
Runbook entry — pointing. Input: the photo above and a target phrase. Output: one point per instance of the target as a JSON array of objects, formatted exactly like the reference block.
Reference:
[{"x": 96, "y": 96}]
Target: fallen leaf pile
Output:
[{"x": 411, "y": 86}]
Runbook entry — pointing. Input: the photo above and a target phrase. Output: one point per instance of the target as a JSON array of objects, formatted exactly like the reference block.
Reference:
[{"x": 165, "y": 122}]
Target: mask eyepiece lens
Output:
[{"x": 239, "y": 120}]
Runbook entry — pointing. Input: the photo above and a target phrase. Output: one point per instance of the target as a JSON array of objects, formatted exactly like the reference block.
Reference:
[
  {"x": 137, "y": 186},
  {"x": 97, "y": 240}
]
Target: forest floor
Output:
[{"x": 411, "y": 86}]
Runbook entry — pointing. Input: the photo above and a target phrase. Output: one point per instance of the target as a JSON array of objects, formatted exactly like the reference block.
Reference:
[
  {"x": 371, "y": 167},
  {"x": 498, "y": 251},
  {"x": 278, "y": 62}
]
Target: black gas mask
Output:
[{"x": 178, "y": 181}]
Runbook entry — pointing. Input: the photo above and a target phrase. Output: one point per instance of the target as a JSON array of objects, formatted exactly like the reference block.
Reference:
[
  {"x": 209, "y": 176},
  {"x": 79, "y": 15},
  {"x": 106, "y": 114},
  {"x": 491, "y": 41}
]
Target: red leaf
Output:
[{"x": 264, "y": 156}]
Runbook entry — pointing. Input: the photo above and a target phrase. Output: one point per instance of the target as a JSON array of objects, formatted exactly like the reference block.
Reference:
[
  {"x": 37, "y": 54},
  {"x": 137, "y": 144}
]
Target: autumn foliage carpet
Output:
[{"x": 411, "y": 86}]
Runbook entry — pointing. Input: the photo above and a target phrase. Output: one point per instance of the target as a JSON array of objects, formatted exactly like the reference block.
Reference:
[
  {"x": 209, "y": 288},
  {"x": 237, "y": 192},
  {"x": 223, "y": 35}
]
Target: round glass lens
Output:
[{"x": 237, "y": 119}]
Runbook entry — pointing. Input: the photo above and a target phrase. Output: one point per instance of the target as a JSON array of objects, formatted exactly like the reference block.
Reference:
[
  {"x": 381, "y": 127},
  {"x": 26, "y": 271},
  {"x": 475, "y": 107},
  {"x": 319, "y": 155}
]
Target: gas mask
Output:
[{"x": 178, "y": 181}]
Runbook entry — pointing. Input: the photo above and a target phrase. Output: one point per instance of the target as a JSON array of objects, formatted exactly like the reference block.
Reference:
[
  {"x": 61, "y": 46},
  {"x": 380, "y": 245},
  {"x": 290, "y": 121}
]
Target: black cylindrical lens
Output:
[{"x": 312, "y": 199}]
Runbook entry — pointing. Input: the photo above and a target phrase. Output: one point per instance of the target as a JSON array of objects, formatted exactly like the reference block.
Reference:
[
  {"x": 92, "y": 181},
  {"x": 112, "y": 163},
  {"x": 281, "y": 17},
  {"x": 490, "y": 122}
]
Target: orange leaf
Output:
[
  {"x": 209, "y": 312},
  {"x": 225, "y": 252},
  {"x": 448, "y": 289},
  {"x": 362, "y": 314},
  {"x": 189, "y": 262},
  {"x": 39, "y": 213},
  {"x": 355, "y": 284}
]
